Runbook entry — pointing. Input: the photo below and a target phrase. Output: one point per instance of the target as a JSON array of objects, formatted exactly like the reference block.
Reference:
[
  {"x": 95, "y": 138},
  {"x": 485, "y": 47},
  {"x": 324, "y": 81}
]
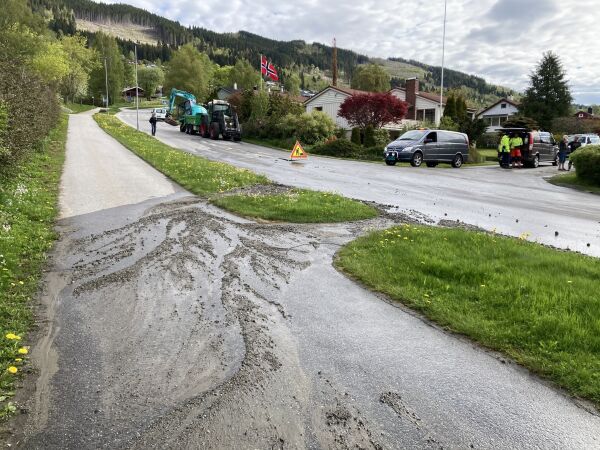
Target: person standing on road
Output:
[
  {"x": 563, "y": 149},
  {"x": 572, "y": 147},
  {"x": 504, "y": 150},
  {"x": 153, "y": 123},
  {"x": 516, "y": 142}
]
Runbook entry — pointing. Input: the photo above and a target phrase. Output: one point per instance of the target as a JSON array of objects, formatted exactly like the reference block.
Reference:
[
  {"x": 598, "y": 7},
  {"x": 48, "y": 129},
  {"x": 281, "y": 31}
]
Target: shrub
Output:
[
  {"x": 340, "y": 147},
  {"x": 382, "y": 137},
  {"x": 355, "y": 138},
  {"x": 374, "y": 153},
  {"x": 369, "y": 137},
  {"x": 587, "y": 162},
  {"x": 309, "y": 128}
]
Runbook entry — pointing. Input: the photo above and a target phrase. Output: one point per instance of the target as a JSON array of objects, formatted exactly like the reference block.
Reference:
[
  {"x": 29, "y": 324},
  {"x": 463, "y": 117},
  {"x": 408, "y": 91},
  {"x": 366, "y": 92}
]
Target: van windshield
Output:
[{"x": 413, "y": 135}]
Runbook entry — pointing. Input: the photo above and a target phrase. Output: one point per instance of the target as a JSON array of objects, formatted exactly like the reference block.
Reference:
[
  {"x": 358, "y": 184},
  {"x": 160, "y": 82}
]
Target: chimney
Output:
[{"x": 412, "y": 89}]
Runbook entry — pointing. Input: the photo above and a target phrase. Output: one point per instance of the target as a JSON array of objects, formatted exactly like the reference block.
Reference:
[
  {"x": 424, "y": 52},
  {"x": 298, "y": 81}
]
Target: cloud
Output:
[{"x": 500, "y": 40}]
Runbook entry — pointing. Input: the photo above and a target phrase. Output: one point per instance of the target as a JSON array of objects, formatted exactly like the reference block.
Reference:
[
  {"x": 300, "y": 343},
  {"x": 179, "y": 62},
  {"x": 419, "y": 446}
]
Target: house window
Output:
[
  {"x": 318, "y": 108},
  {"x": 503, "y": 106}
]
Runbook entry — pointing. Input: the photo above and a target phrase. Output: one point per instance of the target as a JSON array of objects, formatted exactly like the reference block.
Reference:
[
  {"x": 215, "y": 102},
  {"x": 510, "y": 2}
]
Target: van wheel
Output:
[
  {"x": 390, "y": 163},
  {"x": 417, "y": 159},
  {"x": 431, "y": 164},
  {"x": 536, "y": 162},
  {"x": 457, "y": 162}
]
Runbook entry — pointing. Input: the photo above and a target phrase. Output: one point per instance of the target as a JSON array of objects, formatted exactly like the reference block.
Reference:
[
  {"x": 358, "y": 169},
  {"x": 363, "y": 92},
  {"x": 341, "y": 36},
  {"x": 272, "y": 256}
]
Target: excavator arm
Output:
[{"x": 175, "y": 93}]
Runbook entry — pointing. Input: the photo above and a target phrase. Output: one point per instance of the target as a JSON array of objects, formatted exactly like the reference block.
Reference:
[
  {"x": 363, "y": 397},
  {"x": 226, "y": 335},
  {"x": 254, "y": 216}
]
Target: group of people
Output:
[
  {"x": 510, "y": 150},
  {"x": 565, "y": 148}
]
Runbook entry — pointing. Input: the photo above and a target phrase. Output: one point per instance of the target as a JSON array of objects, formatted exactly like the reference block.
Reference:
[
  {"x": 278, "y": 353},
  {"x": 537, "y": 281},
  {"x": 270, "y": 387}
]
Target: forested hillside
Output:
[{"x": 227, "y": 48}]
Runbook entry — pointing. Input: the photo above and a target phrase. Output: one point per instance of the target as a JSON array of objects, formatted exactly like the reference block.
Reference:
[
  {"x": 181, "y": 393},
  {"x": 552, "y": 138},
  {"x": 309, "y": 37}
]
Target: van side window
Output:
[
  {"x": 432, "y": 136},
  {"x": 444, "y": 137}
]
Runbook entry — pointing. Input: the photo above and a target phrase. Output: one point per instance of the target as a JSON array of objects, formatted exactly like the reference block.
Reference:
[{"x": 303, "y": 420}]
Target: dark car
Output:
[
  {"x": 538, "y": 146},
  {"x": 429, "y": 146}
]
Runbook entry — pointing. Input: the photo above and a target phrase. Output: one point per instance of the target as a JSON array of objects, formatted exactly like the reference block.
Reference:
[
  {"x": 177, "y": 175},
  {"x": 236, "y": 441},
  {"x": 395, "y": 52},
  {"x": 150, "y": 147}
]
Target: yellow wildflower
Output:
[
  {"x": 18, "y": 359},
  {"x": 13, "y": 369},
  {"x": 12, "y": 336},
  {"x": 23, "y": 351}
]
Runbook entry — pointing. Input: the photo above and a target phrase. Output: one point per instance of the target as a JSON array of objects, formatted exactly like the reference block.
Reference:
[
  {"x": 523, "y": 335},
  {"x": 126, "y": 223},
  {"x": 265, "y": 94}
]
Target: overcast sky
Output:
[{"x": 500, "y": 40}]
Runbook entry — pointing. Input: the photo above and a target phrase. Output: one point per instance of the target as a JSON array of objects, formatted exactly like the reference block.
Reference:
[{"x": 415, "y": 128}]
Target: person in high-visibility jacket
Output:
[
  {"x": 504, "y": 151},
  {"x": 516, "y": 142}
]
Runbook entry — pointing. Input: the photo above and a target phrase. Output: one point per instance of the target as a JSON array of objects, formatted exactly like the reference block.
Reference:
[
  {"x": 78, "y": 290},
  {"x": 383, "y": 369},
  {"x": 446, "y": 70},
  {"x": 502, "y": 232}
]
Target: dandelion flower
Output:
[
  {"x": 23, "y": 351},
  {"x": 569, "y": 281},
  {"x": 18, "y": 359},
  {"x": 13, "y": 369},
  {"x": 483, "y": 285},
  {"x": 12, "y": 336}
]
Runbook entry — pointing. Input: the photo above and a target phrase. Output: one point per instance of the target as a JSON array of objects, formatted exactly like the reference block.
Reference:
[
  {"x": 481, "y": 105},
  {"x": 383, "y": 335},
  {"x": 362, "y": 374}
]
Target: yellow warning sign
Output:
[{"x": 298, "y": 152}]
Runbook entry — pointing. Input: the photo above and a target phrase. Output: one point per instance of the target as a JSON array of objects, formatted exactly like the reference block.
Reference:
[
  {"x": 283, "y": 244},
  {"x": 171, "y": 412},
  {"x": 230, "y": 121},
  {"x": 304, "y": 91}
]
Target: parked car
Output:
[
  {"x": 538, "y": 146},
  {"x": 588, "y": 139},
  {"x": 429, "y": 146},
  {"x": 161, "y": 113}
]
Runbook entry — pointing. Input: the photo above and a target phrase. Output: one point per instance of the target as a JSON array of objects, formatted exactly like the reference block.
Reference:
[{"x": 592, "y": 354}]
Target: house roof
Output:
[
  {"x": 346, "y": 91},
  {"x": 502, "y": 100},
  {"x": 426, "y": 95}
]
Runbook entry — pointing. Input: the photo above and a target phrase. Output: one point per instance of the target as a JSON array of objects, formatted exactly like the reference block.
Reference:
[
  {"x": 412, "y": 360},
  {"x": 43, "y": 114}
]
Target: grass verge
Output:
[
  {"x": 570, "y": 180},
  {"x": 537, "y": 305},
  {"x": 198, "y": 175},
  {"x": 297, "y": 205},
  {"x": 28, "y": 208},
  {"x": 76, "y": 108}
]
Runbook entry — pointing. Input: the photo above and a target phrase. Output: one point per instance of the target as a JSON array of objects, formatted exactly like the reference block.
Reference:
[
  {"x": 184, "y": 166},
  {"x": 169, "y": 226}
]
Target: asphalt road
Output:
[
  {"x": 512, "y": 202},
  {"x": 168, "y": 323}
]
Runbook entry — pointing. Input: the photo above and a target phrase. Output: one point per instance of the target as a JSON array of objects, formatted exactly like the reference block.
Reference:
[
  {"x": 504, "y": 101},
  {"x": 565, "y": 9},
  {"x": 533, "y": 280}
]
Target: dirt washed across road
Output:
[
  {"x": 171, "y": 324},
  {"x": 513, "y": 202}
]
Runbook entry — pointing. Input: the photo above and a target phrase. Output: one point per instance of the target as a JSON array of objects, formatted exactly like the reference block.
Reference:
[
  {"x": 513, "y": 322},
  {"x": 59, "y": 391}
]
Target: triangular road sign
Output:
[{"x": 298, "y": 152}]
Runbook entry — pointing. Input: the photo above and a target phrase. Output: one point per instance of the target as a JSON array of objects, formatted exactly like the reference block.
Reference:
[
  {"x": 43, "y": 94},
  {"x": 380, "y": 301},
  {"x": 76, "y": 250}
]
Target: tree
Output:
[
  {"x": 292, "y": 84},
  {"x": 149, "y": 79},
  {"x": 244, "y": 75},
  {"x": 191, "y": 71},
  {"x": 81, "y": 61},
  {"x": 221, "y": 76},
  {"x": 548, "y": 95},
  {"x": 521, "y": 122},
  {"x": 377, "y": 110},
  {"x": 51, "y": 63},
  {"x": 371, "y": 78},
  {"x": 108, "y": 52},
  {"x": 450, "y": 108}
]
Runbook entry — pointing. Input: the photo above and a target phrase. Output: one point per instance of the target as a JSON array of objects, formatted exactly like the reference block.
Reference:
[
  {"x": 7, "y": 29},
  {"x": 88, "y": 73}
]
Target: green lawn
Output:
[
  {"x": 571, "y": 180},
  {"x": 297, "y": 205},
  {"x": 537, "y": 305},
  {"x": 77, "y": 108},
  {"x": 28, "y": 207},
  {"x": 198, "y": 175}
]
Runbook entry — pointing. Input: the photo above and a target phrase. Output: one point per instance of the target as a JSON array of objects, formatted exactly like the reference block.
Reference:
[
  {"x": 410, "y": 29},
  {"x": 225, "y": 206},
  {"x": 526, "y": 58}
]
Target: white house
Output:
[
  {"x": 422, "y": 106},
  {"x": 498, "y": 113}
]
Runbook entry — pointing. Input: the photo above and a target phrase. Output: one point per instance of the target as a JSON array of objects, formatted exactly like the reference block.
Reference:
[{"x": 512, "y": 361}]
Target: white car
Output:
[
  {"x": 161, "y": 113},
  {"x": 588, "y": 139}
]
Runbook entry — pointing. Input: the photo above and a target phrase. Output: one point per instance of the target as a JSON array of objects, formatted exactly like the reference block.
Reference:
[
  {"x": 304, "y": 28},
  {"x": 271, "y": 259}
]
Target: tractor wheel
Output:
[
  {"x": 182, "y": 127},
  {"x": 214, "y": 131}
]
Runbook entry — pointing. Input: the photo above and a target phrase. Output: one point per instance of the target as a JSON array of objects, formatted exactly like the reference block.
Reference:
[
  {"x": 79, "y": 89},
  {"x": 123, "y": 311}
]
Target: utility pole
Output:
[
  {"x": 137, "y": 88},
  {"x": 443, "y": 57},
  {"x": 106, "y": 81},
  {"x": 334, "y": 63}
]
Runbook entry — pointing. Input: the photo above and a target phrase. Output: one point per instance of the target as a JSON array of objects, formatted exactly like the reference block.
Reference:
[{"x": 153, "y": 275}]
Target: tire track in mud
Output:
[{"x": 185, "y": 310}]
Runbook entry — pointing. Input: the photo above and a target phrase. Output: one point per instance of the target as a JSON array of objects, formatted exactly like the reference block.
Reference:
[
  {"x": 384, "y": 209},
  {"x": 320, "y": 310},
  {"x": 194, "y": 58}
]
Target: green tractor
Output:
[{"x": 221, "y": 120}]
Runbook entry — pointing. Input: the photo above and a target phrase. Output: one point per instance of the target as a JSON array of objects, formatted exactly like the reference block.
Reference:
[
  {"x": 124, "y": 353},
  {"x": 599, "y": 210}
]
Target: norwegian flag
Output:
[{"x": 268, "y": 69}]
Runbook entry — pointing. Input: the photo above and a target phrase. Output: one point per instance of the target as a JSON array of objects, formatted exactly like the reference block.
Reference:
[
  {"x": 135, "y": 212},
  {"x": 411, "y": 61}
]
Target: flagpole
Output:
[{"x": 261, "y": 74}]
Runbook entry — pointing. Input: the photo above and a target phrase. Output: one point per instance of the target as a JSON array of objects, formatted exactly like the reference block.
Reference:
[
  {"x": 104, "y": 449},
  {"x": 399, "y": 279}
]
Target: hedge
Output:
[{"x": 587, "y": 163}]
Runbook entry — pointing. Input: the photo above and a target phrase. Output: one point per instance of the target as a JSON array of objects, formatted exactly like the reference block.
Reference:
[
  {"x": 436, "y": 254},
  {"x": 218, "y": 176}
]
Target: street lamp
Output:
[
  {"x": 443, "y": 56},
  {"x": 137, "y": 89}
]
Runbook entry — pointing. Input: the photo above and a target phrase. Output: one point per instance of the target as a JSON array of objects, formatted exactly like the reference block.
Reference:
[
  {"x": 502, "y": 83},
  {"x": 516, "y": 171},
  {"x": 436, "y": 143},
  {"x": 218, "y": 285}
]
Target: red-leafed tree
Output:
[{"x": 376, "y": 110}]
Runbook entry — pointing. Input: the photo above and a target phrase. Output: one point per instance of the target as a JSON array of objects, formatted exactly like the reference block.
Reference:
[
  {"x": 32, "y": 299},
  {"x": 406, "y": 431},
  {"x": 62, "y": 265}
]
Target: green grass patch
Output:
[
  {"x": 76, "y": 108},
  {"x": 571, "y": 180},
  {"x": 196, "y": 174},
  {"x": 297, "y": 205},
  {"x": 537, "y": 305},
  {"x": 28, "y": 208}
]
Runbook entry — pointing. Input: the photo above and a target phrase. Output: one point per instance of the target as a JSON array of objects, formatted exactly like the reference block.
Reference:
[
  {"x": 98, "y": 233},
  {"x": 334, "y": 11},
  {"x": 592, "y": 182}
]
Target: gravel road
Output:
[
  {"x": 513, "y": 202},
  {"x": 168, "y": 323}
]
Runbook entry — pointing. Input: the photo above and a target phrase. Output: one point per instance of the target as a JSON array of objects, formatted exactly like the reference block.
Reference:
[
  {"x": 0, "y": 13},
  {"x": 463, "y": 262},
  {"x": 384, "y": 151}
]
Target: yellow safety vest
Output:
[
  {"x": 516, "y": 142},
  {"x": 504, "y": 144}
]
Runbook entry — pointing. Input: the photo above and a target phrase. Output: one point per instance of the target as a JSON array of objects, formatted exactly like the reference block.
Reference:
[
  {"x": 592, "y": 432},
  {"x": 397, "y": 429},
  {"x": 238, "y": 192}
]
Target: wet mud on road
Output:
[{"x": 172, "y": 324}]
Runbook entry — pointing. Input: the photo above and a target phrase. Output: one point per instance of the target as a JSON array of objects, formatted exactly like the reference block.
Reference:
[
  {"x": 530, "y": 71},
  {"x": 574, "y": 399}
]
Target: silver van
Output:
[{"x": 428, "y": 146}]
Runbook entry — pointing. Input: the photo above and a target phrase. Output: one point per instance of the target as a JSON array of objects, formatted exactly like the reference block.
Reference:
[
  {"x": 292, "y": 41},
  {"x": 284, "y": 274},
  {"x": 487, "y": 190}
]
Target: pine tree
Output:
[
  {"x": 450, "y": 109},
  {"x": 548, "y": 95}
]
